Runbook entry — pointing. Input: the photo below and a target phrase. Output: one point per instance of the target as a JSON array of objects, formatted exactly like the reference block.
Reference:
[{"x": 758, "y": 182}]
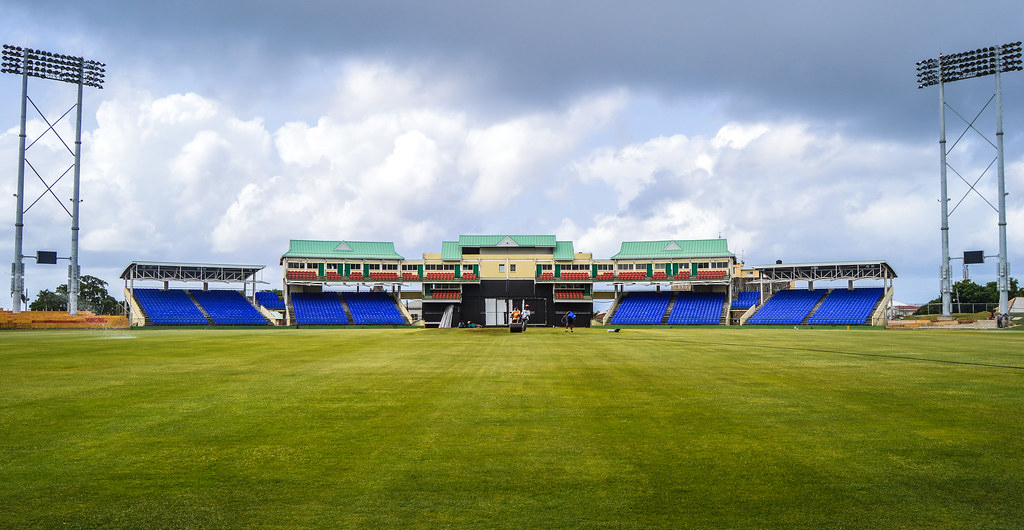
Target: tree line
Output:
[
  {"x": 92, "y": 296},
  {"x": 968, "y": 292}
]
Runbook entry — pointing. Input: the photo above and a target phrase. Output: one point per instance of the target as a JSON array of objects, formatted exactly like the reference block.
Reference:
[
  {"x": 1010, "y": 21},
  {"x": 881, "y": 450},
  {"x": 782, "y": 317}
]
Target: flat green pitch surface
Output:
[{"x": 648, "y": 428}]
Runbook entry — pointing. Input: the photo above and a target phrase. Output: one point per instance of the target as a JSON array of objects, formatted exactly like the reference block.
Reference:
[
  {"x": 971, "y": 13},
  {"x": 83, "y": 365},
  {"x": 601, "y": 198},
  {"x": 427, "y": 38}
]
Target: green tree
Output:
[
  {"x": 968, "y": 292},
  {"x": 92, "y": 296},
  {"x": 49, "y": 301}
]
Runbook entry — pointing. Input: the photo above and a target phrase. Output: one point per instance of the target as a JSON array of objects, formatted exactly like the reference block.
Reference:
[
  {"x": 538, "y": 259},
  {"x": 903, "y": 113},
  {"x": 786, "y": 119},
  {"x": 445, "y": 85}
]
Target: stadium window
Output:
[
  {"x": 605, "y": 267},
  {"x": 512, "y": 267},
  {"x": 547, "y": 267},
  {"x": 501, "y": 267},
  {"x": 703, "y": 265},
  {"x": 294, "y": 265}
]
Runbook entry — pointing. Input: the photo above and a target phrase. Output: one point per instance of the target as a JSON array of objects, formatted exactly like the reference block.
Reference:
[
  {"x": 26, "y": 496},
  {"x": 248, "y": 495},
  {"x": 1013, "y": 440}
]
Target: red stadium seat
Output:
[{"x": 632, "y": 275}]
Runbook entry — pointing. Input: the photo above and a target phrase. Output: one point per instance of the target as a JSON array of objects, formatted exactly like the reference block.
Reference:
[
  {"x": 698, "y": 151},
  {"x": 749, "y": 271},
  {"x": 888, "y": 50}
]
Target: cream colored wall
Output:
[
  {"x": 525, "y": 268},
  {"x": 739, "y": 272},
  {"x": 489, "y": 269},
  {"x": 524, "y": 259},
  {"x": 138, "y": 319}
]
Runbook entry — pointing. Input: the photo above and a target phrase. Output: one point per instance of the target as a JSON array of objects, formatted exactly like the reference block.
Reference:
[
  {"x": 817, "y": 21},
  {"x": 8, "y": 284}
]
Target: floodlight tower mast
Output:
[
  {"x": 992, "y": 60},
  {"x": 69, "y": 69},
  {"x": 945, "y": 271}
]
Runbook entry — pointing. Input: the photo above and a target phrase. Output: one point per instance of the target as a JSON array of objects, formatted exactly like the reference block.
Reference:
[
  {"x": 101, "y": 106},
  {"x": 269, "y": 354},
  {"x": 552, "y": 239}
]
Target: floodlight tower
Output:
[
  {"x": 27, "y": 62},
  {"x": 991, "y": 60}
]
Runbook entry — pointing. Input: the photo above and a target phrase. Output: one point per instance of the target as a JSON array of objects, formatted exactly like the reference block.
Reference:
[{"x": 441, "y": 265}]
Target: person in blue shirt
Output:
[{"x": 570, "y": 321}]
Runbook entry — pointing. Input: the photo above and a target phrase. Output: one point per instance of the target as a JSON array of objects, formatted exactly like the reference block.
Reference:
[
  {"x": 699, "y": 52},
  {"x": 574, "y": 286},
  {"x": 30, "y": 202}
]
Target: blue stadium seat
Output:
[
  {"x": 172, "y": 307},
  {"x": 318, "y": 309},
  {"x": 373, "y": 308},
  {"x": 790, "y": 306},
  {"x": 229, "y": 308},
  {"x": 847, "y": 307},
  {"x": 697, "y": 308},
  {"x": 270, "y": 300},
  {"x": 642, "y": 308},
  {"x": 746, "y": 300}
]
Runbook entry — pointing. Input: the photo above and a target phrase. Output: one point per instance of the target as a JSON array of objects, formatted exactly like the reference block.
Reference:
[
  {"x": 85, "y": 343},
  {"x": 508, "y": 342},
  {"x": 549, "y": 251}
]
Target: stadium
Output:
[{"x": 482, "y": 279}]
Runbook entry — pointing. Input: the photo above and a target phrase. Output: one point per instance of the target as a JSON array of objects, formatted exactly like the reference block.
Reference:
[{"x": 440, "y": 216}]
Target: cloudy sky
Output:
[{"x": 794, "y": 129}]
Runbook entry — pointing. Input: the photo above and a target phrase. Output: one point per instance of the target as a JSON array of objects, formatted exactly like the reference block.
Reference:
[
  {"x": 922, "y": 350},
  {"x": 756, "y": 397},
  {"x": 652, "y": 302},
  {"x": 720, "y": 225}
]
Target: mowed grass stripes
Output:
[{"x": 647, "y": 428}]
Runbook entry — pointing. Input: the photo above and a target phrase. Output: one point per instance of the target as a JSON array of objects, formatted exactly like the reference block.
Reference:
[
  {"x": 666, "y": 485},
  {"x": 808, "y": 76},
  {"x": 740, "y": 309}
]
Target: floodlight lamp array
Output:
[
  {"x": 965, "y": 65},
  {"x": 53, "y": 66}
]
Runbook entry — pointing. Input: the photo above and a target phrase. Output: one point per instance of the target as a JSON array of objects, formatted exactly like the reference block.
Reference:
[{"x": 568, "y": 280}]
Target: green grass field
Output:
[{"x": 411, "y": 428}]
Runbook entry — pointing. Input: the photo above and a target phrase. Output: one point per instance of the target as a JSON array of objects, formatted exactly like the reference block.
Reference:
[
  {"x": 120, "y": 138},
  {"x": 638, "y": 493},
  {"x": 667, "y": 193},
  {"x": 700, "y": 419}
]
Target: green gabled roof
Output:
[
  {"x": 507, "y": 240},
  {"x": 304, "y": 248},
  {"x": 450, "y": 250},
  {"x": 674, "y": 248},
  {"x": 564, "y": 250}
]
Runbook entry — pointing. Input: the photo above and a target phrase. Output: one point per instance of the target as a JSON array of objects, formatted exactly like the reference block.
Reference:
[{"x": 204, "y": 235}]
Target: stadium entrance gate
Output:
[{"x": 496, "y": 312}]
